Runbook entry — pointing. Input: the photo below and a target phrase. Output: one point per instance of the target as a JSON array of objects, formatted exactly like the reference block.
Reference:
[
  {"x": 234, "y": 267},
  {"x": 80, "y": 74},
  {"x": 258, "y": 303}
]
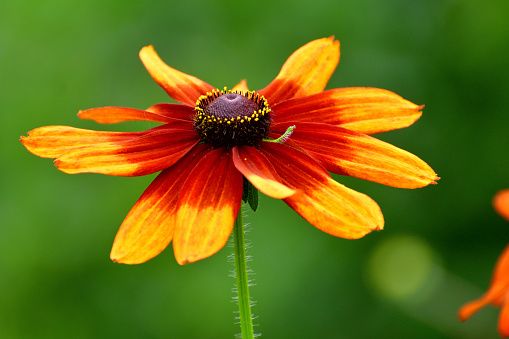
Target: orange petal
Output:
[
  {"x": 259, "y": 171},
  {"x": 327, "y": 205},
  {"x": 147, "y": 154},
  {"x": 53, "y": 141},
  {"x": 306, "y": 71},
  {"x": 501, "y": 203},
  {"x": 173, "y": 111},
  {"x": 345, "y": 152},
  {"x": 112, "y": 115},
  {"x": 242, "y": 86},
  {"x": 496, "y": 293},
  {"x": 207, "y": 208},
  {"x": 149, "y": 225},
  {"x": 362, "y": 109},
  {"x": 500, "y": 278},
  {"x": 503, "y": 321},
  {"x": 467, "y": 310},
  {"x": 179, "y": 86}
]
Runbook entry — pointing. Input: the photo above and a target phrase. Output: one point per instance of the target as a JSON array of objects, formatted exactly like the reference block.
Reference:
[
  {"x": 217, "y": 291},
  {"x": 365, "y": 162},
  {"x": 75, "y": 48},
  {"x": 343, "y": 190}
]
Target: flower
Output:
[
  {"x": 498, "y": 292},
  {"x": 215, "y": 138}
]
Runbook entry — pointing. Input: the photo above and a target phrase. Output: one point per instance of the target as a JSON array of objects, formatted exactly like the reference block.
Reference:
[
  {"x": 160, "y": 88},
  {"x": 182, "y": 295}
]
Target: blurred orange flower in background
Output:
[
  {"x": 498, "y": 292},
  {"x": 215, "y": 138},
  {"x": 501, "y": 203}
]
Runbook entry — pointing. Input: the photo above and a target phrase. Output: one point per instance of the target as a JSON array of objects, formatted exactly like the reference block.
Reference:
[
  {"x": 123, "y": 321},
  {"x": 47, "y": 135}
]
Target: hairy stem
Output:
[{"x": 244, "y": 301}]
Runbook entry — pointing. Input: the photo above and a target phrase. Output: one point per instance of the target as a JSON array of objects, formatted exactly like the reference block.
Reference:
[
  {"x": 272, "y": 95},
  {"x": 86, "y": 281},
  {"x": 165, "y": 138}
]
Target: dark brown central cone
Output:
[
  {"x": 231, "y": 105},
  {"x": 231, "y": 118}
]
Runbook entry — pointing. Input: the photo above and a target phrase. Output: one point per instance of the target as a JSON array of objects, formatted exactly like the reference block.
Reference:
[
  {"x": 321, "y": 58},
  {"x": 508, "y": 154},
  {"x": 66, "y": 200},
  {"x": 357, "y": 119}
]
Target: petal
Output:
[
  {"x": 503, "y": 321},
  {"x": 149, "y": 225},
  {"x": 207, "y": 208},
  {"x": 327, "y": 205},
  {"x": 173, "y": 111},
  {"x": 306, "y": 71},
  {"x": 179, "y": 86},
  {"x": 501, "y": 203},
  {"x": 500, "y": 278},
  {"x": 112, "y": 115},
  {"x": 497, "y": 291},
  {"x": 362, "y": 109},
  {"x": 242, "y": 86},
  {"x": 147, "y": 154},
  {"x": 259, "y": 171},
  {"x": 345, "y": 152},
  {"x": 467, "y": 310},
  {"x": 53, "y": 141}
]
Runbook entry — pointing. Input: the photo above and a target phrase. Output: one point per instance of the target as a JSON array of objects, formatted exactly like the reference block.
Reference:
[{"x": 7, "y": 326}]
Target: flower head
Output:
[
  {"x": 284, "y": 139},
  {"x": 498, "y": 292}
]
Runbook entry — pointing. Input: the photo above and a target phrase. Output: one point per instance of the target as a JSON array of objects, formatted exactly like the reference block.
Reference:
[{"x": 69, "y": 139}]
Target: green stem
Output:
[{"x": 244, "y": 302}]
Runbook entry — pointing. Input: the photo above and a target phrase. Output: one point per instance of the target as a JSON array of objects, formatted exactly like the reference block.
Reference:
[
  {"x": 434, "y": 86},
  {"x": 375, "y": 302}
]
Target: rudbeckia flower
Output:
[
  {"x": 498, "y": 292},
  {"x": 283, "y": 139}
]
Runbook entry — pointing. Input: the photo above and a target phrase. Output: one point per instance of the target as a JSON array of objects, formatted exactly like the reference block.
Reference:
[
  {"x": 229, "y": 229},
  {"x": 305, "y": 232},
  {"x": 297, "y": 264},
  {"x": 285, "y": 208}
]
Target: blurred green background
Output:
[{"x": 440, "y": 243}]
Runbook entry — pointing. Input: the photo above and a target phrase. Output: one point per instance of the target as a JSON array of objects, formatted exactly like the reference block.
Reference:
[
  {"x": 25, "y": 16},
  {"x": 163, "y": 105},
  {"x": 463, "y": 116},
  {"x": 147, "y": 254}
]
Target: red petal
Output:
[
  {"x": 173, "y": 111},
  {"x": 207, "y": 208},
  {"x": 53, "y": 141},
  {"x": 147, "y": 154},
  {"x": 112, "y": 115},
  {"x": 306, "y": 71},
  {"x": 358, "y": 155},
  {"x": 179, "y": 86},
  {"x": 327, "y": 205},
  {"x": 148, "y": 227},
  {"x": 362, "y": 109},
  {"x": 259, "y": 171},
  {"x": 501, "y": 203}
]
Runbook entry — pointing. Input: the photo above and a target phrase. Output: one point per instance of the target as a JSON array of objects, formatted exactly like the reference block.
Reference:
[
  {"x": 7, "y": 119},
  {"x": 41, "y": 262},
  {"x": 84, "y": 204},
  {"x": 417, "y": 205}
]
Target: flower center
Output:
[{"x": 229, "y": 118}]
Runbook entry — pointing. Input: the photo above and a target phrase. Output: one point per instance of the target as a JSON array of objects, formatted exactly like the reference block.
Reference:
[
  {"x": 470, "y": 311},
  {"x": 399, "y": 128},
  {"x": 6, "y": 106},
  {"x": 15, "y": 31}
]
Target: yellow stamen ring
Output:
[{"x": 228, "y": 118}]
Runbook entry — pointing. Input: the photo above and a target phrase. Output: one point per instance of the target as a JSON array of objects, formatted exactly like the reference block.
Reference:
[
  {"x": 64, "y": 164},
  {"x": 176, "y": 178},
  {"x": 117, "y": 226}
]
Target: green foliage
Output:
[{"x": 250, "y": 195}]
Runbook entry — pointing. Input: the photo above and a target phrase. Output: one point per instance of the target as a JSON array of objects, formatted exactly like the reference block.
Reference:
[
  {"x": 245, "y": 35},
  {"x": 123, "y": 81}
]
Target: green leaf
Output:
[{"x": 250, "y": 195}]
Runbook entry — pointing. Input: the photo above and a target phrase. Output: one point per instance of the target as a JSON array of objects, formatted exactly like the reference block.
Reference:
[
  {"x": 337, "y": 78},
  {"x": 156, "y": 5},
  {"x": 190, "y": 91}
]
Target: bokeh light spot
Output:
[{"x": 402, "y": 267}]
